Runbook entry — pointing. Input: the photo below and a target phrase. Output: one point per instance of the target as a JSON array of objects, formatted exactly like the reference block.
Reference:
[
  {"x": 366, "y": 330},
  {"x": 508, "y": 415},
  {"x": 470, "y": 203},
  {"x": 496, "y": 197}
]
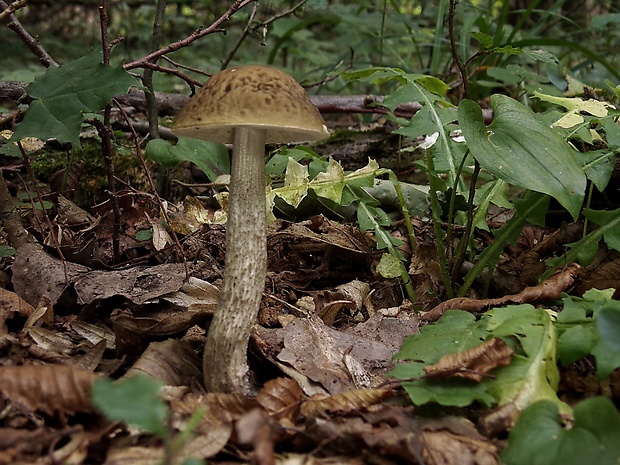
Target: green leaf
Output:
[
  {"x": 6, "y": 251},
  {"x": 389, "y": 266},
  {"x": 210, "y": 157},
  {"x": 134, "y": 401},
  {"x": 454, "y": 332},
  {"x": 64, "y": 94},
  {"x": 609, "y": 222},
  {"x": 531, "y": 376},
  {"x": 485, "y": 40},
  {"x": 579, "y": 331},
  {"x": 608, "y": 324},
  {"x": 538, "y": 437},
  {"x": 520, "y": 150}
]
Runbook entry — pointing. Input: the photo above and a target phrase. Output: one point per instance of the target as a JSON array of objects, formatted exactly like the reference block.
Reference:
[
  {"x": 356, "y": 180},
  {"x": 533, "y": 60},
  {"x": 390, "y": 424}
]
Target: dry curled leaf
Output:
[
  {"x": 321, "y": 405},
  {"x": 48, "y": 388},
  {"x": 473, "y": 363},
  {"x": 548, "y": 290},
  {"x": 173, "y": 362},
  {"x": 10, "y": 304},
  {"x": 281, "y": 397}
]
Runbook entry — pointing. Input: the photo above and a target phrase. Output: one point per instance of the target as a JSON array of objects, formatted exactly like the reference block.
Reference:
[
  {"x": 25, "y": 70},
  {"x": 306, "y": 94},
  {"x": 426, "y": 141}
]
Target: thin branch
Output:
[
  {"x": 191, "y": 82},
  {"x": 12, "y": 8},
  {"x": 105, "y": 132},
  {"x": 242, "y": 37},
  {"x": 147, "y": 77},
  {"x": 199, "y": 33},
  {"x": 147, "y": 172},
  {"x": 291, "y": 10},
  {"x": 453, "y": 48},
  {"x": 31, "y": 42}
]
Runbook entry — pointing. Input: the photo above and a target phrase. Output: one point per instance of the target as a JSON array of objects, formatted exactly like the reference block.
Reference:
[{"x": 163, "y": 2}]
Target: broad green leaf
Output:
[
  {"x": 609, "y": 222},
  {"x": 134, "y": 401},
  {"x": 210, "y": 157},
  {"x": 533, "y": 376},
  {"x": 63, "y": 95},
  {"x": 608, "y": 323},
  {"x": 580, "y": 333},
  {"x": 520, "y": 150},
  {"x": 538, "y": 437},
  {"x": 455, "y": 331},
  {"x": 598, "y": 166}
]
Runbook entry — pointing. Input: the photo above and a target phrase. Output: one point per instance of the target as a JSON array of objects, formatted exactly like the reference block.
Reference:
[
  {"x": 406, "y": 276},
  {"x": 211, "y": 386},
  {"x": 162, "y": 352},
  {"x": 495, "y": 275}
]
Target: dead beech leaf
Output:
[
  {"x": 281, "y": 397},
  {"x": 605, "y": 276},
  {"x": 349, "y": 401},
  {"x": 453, "y": 440},
  {"x": 473, "y": 363},
  {"x": 11, "y": 304},
  {"x": 48, "y": 388},
  {"x": 173, "y": 362},
  {"x": 547, "y": 291}
]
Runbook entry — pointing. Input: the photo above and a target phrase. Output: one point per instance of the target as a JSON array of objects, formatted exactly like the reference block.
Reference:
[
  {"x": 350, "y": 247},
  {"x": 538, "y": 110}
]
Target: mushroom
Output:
[{"x": 247, "y": 106}]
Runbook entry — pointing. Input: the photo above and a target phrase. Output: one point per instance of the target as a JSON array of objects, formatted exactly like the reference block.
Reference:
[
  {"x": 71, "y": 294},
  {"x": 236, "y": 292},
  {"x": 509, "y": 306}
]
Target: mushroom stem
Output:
[{"x": 225, "y": 356}]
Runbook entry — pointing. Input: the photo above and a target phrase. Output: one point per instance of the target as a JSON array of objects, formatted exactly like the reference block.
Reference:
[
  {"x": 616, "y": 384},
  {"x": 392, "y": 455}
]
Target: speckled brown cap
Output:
[{"x": 254, "y": 96}]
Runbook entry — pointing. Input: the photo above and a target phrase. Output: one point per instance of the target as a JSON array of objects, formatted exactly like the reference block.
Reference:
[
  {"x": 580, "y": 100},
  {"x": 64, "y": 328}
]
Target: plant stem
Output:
[{"x": 439, "y": 234}]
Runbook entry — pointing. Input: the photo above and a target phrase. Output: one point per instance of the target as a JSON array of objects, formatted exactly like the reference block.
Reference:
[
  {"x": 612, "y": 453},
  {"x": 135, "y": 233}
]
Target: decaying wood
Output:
[{"x": 170, "y": 104}]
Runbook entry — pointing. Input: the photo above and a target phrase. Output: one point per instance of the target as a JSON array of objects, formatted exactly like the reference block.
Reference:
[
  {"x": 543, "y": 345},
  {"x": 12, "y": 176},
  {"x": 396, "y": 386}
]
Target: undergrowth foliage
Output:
[{"x": 551, "y": 141}]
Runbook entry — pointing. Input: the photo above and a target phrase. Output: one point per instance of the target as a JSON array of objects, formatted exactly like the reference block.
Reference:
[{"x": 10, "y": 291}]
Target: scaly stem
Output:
[{"x": 225, "y": 357}]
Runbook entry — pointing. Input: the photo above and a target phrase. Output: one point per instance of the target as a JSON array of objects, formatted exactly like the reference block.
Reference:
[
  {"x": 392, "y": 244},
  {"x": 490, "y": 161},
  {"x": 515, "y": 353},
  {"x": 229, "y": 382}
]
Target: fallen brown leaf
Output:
[{"x": 473, "y": 363}]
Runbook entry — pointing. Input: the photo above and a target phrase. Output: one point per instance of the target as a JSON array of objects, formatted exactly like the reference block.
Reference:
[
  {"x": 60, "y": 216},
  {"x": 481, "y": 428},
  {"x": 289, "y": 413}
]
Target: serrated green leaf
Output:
[
  {"x": 64, "y": 94},
  {"x": 210, "y": 157},
  {"x": 538, "y": 437},
  {"x": 485, "y": 40},
  {"x": 520, "y": 150}
]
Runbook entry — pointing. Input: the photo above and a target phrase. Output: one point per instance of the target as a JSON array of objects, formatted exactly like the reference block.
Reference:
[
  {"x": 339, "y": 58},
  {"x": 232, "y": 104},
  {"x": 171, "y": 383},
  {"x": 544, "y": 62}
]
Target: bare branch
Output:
[
  {"x": 213, "y": 28},
  {"x": 13, "y": 7},
  {"x": 32, "y": 43}
]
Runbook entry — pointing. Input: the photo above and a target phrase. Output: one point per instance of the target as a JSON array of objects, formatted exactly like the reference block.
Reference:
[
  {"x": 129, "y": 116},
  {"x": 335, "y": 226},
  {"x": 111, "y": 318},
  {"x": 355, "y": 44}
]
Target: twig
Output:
[
  {"x": 44, "y": 212},
  {"x": 455, "y": 54},
  {"x": 31, "y": 42},
  {"x": 13, "y": 7},
  {"x": 291, "y": 10},
  {"x": 147, "y": 77},
  {"x": 147, "y": 172},
  {"x": 190, "y": 81},
  {"x": 105, "y": 131},
  {"x": 213, "y": 28},
  {"x": 242, "y": 37}
]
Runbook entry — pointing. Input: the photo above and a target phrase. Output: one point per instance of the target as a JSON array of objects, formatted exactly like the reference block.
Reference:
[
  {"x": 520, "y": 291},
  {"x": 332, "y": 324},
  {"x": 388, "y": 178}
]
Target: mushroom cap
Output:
[{"x": 251, "y": 96}]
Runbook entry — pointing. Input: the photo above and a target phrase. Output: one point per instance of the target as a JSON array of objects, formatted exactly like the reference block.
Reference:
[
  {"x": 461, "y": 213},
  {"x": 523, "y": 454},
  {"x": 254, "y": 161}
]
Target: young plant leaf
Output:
[
  {"x": 210, "y": 157},
  {"x": 522, "y": 151},
  {"x": 63, "y": 95},
  {"x": 539, "y": 438},
  {"x": 134, "y": 400}
]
